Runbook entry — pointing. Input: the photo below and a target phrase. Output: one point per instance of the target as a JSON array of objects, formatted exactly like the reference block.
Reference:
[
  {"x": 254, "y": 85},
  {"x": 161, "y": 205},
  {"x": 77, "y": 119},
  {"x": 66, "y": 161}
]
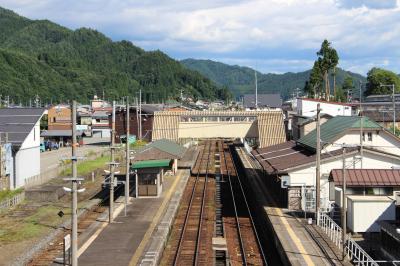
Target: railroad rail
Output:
[
  {"x": 214, "y": 208},
  {"x": 244, "y": 246},
  {"x": 189, "y": 241}
]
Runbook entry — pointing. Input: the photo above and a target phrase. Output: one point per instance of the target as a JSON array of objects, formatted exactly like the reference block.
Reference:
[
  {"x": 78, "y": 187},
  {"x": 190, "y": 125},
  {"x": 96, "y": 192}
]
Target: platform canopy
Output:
[{"x": 151, "y": 164}]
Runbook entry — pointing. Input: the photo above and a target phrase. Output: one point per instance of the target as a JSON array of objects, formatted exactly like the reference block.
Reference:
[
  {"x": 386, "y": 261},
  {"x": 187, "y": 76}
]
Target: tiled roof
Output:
[
  {"x": 279, "y": 158},
  {"x": 18, "y": 122},
  {"x": 334, "y": 128},
  {"x": 367, "y": 177}
]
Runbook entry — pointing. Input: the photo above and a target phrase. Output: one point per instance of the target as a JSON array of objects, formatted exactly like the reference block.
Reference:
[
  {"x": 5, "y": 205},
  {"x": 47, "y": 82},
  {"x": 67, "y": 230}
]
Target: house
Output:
[
  {"x": 22, "y": 128},
  {"x": 59, "y": 117},
  {"x": 147, "y": 117},
  {"x": 302, "y": 125},
  {"x": 347, "y": 129},
  {"x": 289, "y": 167},
  {"x": 372, "y": 189},
  {"x": 308, "y": 107},
  {"x": 101, "y": 126},
  {"x": 263, "y": 101}
]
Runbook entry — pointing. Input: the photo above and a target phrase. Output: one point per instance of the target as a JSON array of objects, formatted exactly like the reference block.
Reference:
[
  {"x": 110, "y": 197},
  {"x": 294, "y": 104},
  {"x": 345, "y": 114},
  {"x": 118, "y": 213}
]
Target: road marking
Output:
[
  {"x": 139, "y": 251},
  {"x": 98, "y": 231}
]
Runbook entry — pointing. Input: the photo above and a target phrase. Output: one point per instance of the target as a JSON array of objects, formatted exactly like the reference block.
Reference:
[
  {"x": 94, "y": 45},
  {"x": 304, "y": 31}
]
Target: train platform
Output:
[
  {"x": 123, "y": 241},
  {"x": 298, "y": 243}
]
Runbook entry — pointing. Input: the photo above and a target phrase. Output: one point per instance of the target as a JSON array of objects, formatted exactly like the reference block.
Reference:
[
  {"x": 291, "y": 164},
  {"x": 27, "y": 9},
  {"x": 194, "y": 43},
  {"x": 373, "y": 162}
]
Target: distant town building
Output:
[
  {"x": 263, "y": 100},
  {"x": 59, "y": 117},
  {"x": 308, "y": 107}
]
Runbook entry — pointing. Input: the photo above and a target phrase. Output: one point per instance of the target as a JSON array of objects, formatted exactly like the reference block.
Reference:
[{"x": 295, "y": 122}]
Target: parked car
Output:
[
  {"x": 50, "y": 145},
  {"x": 42, "y": 147}
]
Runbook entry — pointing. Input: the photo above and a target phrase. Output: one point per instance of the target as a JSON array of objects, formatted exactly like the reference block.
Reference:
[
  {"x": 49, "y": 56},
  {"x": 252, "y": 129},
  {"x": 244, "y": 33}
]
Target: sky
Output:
[{"x": 270, "y": 35}]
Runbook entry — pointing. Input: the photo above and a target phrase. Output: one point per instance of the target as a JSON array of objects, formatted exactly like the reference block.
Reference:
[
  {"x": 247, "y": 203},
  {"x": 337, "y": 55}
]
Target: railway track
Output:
[
  {"x": 213, "y": 206},
  {"x": 244, "y": 246}
]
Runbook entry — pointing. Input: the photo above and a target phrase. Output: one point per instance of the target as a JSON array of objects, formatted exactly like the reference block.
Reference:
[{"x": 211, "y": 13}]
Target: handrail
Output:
[{"x": 352, "y": 249}]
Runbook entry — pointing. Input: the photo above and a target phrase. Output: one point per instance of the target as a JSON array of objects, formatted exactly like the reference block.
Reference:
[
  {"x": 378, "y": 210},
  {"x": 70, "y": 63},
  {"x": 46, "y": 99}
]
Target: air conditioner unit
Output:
[{"x": 397, "y": 197}]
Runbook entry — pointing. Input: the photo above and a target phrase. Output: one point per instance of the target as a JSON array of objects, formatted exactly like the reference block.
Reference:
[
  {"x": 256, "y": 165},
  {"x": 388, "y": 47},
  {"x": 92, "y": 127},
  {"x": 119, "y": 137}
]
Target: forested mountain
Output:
[
  {"x": 240, "y": 80},
  {"x": 38, "y": 57}
]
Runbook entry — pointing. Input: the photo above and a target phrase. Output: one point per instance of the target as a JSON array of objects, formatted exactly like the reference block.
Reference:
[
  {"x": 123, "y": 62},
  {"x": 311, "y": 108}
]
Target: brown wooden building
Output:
[
  {"x": 59, "y": 118},
  {"x": 147, "y": 121}
]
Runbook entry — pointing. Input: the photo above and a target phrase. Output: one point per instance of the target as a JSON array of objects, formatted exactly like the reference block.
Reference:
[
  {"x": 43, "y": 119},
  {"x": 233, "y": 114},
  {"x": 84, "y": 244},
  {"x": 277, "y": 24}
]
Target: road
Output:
[{"x": 51, "y": 159}]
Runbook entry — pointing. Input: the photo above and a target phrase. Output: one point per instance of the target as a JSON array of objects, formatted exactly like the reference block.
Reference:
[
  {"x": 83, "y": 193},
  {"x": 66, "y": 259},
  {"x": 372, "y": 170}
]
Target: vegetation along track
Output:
[{"x": 48, "y": 255}]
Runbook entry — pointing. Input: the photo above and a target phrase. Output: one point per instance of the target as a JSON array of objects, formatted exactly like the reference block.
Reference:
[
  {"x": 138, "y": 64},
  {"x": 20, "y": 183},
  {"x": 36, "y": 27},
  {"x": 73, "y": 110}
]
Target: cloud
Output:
[
  {"x": 285, "y": 34},
  {"x": 376, "y": 4}
]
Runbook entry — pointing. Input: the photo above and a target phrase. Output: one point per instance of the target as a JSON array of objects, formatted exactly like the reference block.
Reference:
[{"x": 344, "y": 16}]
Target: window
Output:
[{"x": 369, "y": 136}]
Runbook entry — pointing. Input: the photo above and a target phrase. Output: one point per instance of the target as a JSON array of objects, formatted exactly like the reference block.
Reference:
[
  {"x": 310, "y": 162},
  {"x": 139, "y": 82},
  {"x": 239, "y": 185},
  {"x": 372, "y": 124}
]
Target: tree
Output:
[
  {"x": 327, "y": 60},
  {"x": 377, "y": 77},
  {"x": 316, "y": 79}
]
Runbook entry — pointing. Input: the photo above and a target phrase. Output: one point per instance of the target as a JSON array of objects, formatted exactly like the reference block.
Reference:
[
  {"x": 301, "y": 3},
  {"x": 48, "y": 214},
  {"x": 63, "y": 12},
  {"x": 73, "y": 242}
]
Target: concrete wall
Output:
[{"x": 218, "y": 130}]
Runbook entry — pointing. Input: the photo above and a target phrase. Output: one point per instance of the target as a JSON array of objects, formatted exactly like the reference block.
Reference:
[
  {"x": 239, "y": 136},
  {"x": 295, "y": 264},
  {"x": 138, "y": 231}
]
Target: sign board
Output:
[
  {"x": 285, "y": 181},
  {"x": 67, "y": 242}
]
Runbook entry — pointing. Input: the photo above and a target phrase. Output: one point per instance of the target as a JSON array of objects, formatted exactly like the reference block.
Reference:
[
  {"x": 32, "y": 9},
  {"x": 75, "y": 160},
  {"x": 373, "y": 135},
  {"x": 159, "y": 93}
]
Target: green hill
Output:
[
  {"x": 38, "y": 57},
  {"x": 240, "y": 80}
]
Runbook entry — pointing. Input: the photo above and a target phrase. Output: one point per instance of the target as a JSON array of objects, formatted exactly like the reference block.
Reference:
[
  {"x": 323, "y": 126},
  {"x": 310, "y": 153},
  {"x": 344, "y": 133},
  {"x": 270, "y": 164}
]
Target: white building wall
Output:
[
  {"x": 306, "y": 175},
  {"x": 27, "y": 159},
  {"x": 380, "y": 141},
  {"x": 361, "y": 221},
  {"x": 308, "y": 108}
]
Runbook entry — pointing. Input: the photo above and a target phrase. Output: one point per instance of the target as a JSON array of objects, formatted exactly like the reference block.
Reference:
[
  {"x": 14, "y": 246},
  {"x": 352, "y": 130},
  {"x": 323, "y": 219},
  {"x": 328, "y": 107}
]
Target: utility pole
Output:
[
  {"x": 361, "y": 129},
  {"x": 318, "y": 163},
  {"x": 74, "y": 191},
  {"x": 140, "y": 114},
  {"x": 255, "y": 76},
  {"x": 127, "y": 154},
  {"x": 394, "y": 105},
  {"x": 137, "y": 116},
  {"x": 344, "y": 203},
  {"x": 112, "y": 166},
  {"x": 394, "y": 111}
]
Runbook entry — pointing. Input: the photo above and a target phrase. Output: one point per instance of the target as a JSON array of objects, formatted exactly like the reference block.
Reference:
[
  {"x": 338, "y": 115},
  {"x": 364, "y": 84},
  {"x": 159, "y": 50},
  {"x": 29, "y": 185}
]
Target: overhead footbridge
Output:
[{"x": 264, "y": 128}]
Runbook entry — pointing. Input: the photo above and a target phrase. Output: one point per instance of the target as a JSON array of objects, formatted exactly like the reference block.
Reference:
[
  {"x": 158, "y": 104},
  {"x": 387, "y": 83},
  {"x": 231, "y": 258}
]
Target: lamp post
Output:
[{"x": 394, "y": 105}]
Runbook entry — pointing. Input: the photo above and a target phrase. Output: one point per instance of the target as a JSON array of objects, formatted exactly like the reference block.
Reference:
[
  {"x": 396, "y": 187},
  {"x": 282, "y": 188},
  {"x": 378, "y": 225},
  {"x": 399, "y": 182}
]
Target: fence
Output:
[
  {"x": 352, "y": 249},
  {"x": 8, "y": 203}
]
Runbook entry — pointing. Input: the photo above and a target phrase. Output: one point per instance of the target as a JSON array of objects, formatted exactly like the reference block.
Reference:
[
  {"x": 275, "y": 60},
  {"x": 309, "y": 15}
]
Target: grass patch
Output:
[
  {"x": 19, "y": 229},
  {"x": 86, "y": 167},
  {"x": 7, "y": 194}
]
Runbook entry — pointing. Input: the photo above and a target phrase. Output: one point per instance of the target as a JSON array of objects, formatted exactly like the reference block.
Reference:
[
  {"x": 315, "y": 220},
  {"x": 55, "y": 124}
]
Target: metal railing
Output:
[
  {"x": 356, "y": 254},
  {"x": 11, "y": 202}
]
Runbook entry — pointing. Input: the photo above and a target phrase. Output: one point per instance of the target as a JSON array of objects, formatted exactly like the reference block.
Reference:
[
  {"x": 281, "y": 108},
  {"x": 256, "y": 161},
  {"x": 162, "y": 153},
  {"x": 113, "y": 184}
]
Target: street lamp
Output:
[{"x": 394, "y": 105}]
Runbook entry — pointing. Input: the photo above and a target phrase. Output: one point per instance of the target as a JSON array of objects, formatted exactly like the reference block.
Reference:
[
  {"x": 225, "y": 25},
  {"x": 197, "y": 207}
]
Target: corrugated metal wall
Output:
[{"x": 271, "y": 128}]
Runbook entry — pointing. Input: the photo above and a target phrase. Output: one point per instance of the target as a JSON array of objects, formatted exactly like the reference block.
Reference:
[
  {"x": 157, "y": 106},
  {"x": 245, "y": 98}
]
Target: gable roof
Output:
[
  {"x": 168, "y": 147},
  {"x": 279, "y": 158},
  {"x": 18, "y": 123},
  {"x": 366, "y": 177},
  {"x": 264, "y": 100},
  {"x": 334, "y": 127},
  {"x": 151, "y": 164}
]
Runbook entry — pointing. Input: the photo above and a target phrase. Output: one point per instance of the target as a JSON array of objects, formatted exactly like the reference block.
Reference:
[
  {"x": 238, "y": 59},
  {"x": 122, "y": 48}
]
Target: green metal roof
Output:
[
  {"x": 150, "y": 164},
  {"x": 168, "y": 146},
  {"x": 334, "y": 127}
]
